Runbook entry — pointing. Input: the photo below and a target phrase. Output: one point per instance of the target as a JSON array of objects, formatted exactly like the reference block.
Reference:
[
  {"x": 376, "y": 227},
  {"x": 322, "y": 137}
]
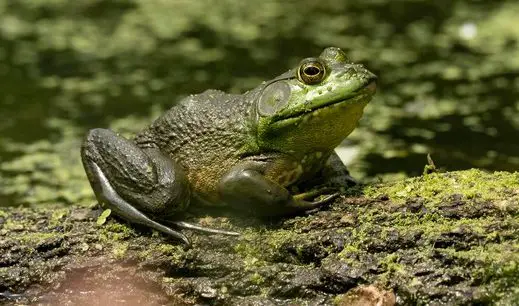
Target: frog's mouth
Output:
[{"x": 362, "y": 95}]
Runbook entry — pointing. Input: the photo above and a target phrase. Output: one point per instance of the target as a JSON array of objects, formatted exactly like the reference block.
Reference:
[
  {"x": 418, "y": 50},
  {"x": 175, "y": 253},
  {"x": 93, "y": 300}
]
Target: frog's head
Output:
[{"x": 314, "y": 106}]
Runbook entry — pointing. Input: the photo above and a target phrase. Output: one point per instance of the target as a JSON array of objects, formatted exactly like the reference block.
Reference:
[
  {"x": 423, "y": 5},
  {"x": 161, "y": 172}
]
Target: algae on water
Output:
[{"x": 67, "y": 66}]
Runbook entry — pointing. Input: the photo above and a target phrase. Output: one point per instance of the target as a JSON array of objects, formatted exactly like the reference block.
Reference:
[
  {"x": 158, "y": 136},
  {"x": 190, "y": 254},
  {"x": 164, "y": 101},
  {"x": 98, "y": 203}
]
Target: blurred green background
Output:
[{"x": 449, "y": 77}]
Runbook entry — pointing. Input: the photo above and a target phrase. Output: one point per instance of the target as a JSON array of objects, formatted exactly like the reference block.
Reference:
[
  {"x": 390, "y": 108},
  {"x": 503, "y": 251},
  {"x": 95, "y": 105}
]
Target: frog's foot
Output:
[
  {"x": 126, "y": 211},
  {"x": 312, "y": 194},
  {"x": 191, "y": 226},
  {"x": 302, "y": 200},
  {"x": 247, "y": 184}
]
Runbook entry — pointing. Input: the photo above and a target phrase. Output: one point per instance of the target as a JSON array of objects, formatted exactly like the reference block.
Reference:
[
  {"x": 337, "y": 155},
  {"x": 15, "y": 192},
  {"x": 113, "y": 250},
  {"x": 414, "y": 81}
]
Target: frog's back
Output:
[{"x": 205, "y": 133}]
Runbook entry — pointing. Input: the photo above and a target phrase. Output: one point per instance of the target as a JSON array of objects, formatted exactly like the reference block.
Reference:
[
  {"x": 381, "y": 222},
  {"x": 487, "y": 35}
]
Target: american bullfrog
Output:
[{"x": 247, "y": 151}]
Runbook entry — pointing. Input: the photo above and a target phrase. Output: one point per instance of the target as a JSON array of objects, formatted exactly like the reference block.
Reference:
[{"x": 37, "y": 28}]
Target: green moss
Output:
[
  {"x": 392, "y": 269},
  {"x": 115, "y": 231},
  {"x": 338, "y": 300},
  {"x": 35, "y": 238},
  {"x": 119, "y": 249},
  {"x": 169, "y": 249},
  {"x": 16, "y": 225},
  {"x": 494, "y": 258},
  {"x": 257, "y": 247},
  {"x": 348, "y": 252},
  {"x": 145, "y": 254},
  {"x": 432, "y": 229},
  {"x": 496, "y": 268},
  {"x": 435, "y": 187},
  {"x": 257, "y": 279},
  {"x": 118, "y": 227},
  {"x": 251, "y": 263},
  {"x": 175, "y": 253},
  {"x": 58, "y": 215}
]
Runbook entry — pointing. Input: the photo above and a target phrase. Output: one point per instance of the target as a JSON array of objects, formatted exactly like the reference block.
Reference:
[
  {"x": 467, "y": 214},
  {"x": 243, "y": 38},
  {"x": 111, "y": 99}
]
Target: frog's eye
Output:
[{"x": 311, "y": 71}]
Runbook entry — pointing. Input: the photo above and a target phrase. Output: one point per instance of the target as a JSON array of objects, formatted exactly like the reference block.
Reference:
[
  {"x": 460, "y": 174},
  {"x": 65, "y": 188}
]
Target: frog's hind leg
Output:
[
  {"x": 135, "y": 182},
  {"x": 125, "y": 210}
]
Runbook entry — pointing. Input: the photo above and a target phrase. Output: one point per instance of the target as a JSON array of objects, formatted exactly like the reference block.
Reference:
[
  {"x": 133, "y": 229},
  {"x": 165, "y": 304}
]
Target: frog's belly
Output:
[{"x": 204, "y": 179}]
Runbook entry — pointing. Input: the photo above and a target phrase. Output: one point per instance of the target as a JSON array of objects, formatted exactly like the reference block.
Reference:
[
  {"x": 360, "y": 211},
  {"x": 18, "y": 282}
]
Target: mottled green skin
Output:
[
  {"x": 206, "y": 133},
  {"x": 247, "y": 151}
]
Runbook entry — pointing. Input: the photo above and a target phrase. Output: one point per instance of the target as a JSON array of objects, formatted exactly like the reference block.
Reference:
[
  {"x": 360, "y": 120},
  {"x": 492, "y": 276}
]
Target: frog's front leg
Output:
[
  {"x": 136, "y": 183},
  {"x": 333, "y": 176},
  {"x": 248, "y": 187}
]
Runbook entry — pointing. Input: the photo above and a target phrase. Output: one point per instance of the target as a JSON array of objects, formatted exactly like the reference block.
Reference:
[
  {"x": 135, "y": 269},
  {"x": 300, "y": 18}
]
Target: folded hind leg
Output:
[{"x": 134, "y": 183}]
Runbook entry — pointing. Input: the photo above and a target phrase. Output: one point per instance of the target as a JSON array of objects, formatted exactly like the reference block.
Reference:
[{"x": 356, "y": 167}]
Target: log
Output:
[{"x": 450, "y": 238}]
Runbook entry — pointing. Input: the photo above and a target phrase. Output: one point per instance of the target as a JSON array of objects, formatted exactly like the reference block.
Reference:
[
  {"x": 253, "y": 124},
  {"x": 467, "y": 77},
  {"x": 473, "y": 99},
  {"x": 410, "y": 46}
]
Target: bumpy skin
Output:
[{"x": 250, "y": 151}]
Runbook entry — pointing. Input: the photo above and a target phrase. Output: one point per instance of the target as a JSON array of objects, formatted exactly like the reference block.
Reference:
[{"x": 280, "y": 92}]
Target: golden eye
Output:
[{"x": 311, "y": 71}]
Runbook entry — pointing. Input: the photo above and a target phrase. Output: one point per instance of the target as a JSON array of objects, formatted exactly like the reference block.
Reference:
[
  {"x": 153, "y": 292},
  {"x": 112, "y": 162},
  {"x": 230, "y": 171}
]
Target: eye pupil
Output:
[{"x": 311, "y": 70}]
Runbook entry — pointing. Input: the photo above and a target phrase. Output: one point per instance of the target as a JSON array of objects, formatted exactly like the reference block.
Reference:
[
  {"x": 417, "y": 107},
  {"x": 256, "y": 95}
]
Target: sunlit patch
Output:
[{"x": 109, "y": 284}]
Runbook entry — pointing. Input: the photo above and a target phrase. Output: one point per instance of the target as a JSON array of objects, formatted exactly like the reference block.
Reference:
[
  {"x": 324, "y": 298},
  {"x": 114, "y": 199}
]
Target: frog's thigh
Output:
[
  {"x": 248, "y": 189},
  {"x": 146, "y": 178},
  {"x": 245, "y": 187}
]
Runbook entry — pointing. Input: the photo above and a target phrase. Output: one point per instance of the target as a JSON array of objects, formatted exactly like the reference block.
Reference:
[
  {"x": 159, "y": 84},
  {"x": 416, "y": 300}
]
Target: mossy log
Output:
[{"x": 443, "y": 238}]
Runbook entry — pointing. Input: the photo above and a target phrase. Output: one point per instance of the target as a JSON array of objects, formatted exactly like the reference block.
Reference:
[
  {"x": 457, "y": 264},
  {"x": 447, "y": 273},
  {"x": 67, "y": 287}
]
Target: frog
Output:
[{"x": 247, "y": 152}]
